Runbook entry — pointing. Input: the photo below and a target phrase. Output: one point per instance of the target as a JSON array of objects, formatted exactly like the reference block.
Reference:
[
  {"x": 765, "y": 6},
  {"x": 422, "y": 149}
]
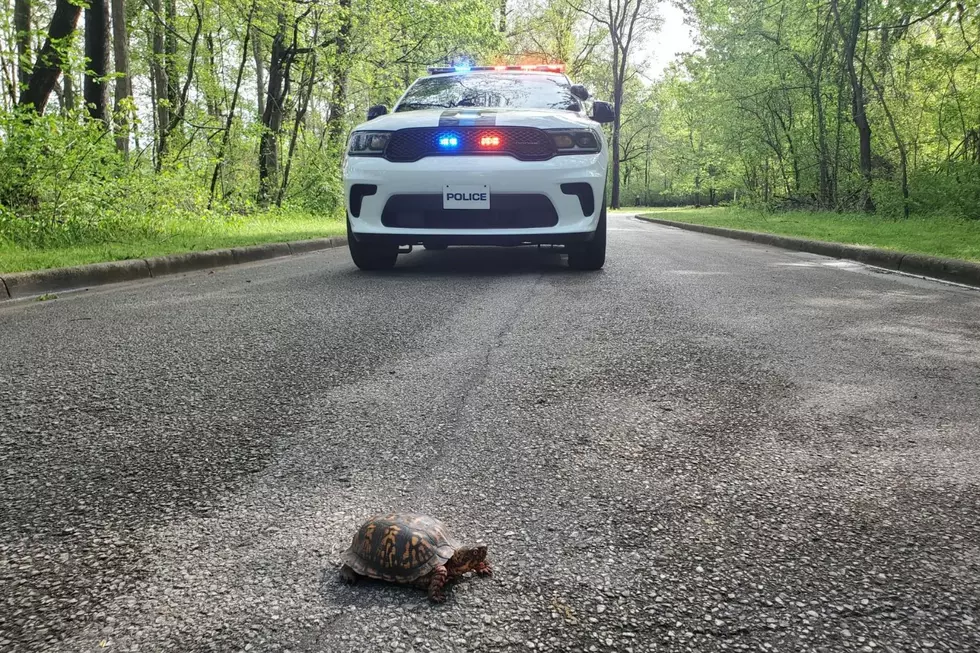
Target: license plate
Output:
[{"x": 466, "y": 197}]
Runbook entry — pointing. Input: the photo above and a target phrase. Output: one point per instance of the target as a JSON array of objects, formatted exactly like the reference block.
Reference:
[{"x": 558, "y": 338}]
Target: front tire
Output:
[
  {"x": 592, "y": 254},
  {"x": 371, "y": 257}
]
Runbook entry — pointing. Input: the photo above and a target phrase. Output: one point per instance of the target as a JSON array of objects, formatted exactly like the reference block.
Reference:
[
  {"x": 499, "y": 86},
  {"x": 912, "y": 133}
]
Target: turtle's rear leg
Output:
[
  {"x": 348, "y": 575},
  {"x": 439, "y": 577}
]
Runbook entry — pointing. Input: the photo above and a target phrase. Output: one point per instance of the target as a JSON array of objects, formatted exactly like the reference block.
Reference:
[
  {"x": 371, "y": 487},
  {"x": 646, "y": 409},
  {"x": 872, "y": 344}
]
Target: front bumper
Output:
[{"x": 513, "y": 220}]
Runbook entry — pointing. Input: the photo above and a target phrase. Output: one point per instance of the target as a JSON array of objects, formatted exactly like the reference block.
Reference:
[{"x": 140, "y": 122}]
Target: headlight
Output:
[
  {"x": 575, "y": 141},
  {"x": 368, "y": 143}
]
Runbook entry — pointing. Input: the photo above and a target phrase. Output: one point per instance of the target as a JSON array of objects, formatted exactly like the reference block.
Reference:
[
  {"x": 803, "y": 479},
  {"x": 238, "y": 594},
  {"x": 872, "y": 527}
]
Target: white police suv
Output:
[{"x": 495, "y": 155}]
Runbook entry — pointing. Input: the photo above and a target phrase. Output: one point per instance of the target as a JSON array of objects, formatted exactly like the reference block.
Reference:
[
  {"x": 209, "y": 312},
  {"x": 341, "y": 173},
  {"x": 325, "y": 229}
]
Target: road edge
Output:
[
  {"x": 946, "y": 269},
  {"x": 24, "y": 285}
]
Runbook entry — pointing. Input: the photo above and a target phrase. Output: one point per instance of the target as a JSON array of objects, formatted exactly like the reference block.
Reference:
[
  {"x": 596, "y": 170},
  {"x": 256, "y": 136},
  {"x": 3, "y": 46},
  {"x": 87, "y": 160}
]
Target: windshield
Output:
[{"x": 490, "y": 90}]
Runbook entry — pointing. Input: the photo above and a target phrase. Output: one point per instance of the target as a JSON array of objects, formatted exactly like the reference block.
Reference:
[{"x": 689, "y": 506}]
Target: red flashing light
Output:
[{"x": 489, "y": 141}]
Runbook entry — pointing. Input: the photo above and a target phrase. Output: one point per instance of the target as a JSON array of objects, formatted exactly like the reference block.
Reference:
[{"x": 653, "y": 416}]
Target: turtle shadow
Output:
[{"x": 367, "y": 592}]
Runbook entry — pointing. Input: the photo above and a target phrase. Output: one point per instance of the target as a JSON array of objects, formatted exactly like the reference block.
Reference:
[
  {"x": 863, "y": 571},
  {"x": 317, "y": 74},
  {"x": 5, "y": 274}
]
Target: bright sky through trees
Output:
[{"x": 662, "y": 47}]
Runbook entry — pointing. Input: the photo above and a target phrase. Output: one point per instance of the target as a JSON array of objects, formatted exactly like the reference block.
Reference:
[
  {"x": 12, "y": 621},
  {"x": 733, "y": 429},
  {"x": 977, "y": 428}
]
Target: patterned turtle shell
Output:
[{"x": 400, "y": 548}]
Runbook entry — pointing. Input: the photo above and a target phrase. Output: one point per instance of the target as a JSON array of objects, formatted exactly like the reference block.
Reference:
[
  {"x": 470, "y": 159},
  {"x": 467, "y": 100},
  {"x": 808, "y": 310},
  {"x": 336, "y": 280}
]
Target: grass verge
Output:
[
  {"x": 943, "y": 237},
  {"x": 185, "y": 236}
]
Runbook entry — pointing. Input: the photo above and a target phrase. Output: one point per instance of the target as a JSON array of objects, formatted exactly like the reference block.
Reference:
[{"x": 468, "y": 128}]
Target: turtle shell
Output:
[{"x": 399, "y": 547}]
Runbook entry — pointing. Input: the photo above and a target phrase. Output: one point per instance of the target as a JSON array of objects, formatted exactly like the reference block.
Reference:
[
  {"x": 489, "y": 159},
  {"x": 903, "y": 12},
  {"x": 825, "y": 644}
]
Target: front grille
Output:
[
  {"x": 524, "y": 143},
  {"x": 519, "y": 211}
]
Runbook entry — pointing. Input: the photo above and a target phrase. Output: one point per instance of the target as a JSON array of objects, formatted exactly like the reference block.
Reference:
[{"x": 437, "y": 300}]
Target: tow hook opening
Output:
[{"x": 405, "y": 251}]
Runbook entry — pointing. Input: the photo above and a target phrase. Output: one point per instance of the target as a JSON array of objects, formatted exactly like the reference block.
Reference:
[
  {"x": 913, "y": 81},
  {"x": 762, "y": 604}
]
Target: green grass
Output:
[
  {"x": 938, "y": 236},
  {"x": 185, "y": 237}
]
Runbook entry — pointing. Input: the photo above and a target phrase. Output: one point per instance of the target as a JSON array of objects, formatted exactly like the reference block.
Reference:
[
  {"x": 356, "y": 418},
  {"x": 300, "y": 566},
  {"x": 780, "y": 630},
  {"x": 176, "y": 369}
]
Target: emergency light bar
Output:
[{"x": 547, "y": 68}]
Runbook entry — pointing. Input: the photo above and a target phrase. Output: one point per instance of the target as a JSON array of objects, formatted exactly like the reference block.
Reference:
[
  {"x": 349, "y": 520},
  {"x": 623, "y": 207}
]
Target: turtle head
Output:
[{"x": 467, "y": 558}]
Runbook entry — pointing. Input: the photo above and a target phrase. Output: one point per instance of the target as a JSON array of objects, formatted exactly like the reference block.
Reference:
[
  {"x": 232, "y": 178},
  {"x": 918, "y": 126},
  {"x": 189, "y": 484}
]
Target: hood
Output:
[{"x": 479, "y": 117}]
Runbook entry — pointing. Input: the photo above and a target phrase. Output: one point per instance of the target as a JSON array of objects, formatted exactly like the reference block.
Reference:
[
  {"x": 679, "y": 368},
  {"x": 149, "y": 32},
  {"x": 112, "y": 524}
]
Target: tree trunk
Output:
[
  {"x": 68, "y": 93},
  {"x": 899, "y": 141},
  {"x": 826, "y": 191},
  {"x": 259, "y": 73},
  {"x": 170, "y": 46},
  {"x": 226, "y": 136},
  {"x": 646, "y": 174},
  {"x": 159, "y": 71},
  {"x": 124, "y": 88},
  {"x": 97, "y": 53},
  {"x": 858, "y": 98},
  {"x": 338, "y": 77},
  {"x": 787, "y": 129},
  {"x": 617, "y": 123},
  {"x": 273, "y": 115},
  {"x": 180, "y": 109},
  {"x": 47, "y": 66},
  {"x": 22, "y": 27},
  {"x": 212, "y": 100},
  {"x": 765, "y": 182},
  {"x": 304, "y": 105},
  {"x": 622, "y": 20},
  {"x": 503, "y": 16}
]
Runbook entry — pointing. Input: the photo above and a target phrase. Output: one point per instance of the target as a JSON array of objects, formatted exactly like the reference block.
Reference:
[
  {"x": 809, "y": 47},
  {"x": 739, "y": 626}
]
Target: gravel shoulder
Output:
[{"x": 708, "y": 446}]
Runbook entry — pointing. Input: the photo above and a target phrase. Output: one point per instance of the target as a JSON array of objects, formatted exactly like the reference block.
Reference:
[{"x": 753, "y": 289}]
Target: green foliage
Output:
[
  {"x": 953, "y": 190},
  {"x": 63, "y": 183},
  {"x": 766, "y": 107}
]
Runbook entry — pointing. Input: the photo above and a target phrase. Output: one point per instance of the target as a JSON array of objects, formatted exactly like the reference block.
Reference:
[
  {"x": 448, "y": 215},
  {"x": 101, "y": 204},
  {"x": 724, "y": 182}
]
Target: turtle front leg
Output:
[
  {"x": 347, "y": 575},
  {"x": 439, "y": 577},
  {"x": 483, "y": 569}
]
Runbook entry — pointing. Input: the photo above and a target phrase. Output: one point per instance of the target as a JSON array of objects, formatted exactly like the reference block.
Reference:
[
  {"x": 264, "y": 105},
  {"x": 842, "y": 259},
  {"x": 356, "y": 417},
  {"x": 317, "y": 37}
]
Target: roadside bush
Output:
[
  {"x": 62, "y": 184},
  {"x": 887, "y": 196},
  {"x": 953, "y": 192}
]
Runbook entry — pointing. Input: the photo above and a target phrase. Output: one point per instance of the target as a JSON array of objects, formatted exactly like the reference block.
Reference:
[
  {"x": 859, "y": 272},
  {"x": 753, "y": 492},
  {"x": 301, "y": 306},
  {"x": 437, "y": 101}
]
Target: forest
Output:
[
  {"x": 128, "y": 119},
  {"x": 818, "y": 104}
]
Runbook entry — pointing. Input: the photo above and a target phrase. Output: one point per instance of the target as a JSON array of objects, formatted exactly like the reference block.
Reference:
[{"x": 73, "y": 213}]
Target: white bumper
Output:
[{"x": 504, "y": 175}]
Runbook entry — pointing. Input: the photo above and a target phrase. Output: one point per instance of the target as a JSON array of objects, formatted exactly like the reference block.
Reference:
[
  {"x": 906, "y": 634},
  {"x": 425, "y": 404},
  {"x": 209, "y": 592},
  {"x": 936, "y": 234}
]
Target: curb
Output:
[
  {"x": 947, "y": 269},
  {"x": 259, "y": 252},
  {"x": 22, "y": 285}
]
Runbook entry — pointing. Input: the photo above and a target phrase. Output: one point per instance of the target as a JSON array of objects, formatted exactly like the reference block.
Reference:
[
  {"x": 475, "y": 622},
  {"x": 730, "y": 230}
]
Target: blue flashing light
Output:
[
  {"x": 462, "y": 69},
  {"x": 449, "y": 141}
]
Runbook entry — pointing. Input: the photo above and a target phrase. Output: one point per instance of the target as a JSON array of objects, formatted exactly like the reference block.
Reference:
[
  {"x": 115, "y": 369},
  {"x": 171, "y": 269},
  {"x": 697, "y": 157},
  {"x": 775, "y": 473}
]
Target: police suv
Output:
[{"x": 490, "y": 155}]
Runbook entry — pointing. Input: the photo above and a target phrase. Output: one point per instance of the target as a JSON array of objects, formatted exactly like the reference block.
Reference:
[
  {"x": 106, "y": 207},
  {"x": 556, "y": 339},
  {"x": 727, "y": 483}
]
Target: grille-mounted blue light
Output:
[{"x": 448, "y": 141}]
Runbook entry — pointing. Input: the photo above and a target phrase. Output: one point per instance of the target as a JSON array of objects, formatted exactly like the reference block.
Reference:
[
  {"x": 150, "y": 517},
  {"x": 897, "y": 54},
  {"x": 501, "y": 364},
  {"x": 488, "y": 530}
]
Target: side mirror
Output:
[
  {"x": 603, "y": 112},
  {"x": 376, "y": 110},
  {"x": 580, "y": 92}
]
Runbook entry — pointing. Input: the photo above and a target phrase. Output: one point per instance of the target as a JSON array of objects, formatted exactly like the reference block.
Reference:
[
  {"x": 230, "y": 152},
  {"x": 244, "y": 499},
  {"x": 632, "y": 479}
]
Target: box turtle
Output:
[{"x": 411, "y": 549}]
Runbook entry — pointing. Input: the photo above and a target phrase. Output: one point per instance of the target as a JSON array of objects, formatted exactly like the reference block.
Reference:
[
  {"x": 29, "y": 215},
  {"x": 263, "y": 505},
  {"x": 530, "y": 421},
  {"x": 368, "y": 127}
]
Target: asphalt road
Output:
[{"x": 709, "y": 445}]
